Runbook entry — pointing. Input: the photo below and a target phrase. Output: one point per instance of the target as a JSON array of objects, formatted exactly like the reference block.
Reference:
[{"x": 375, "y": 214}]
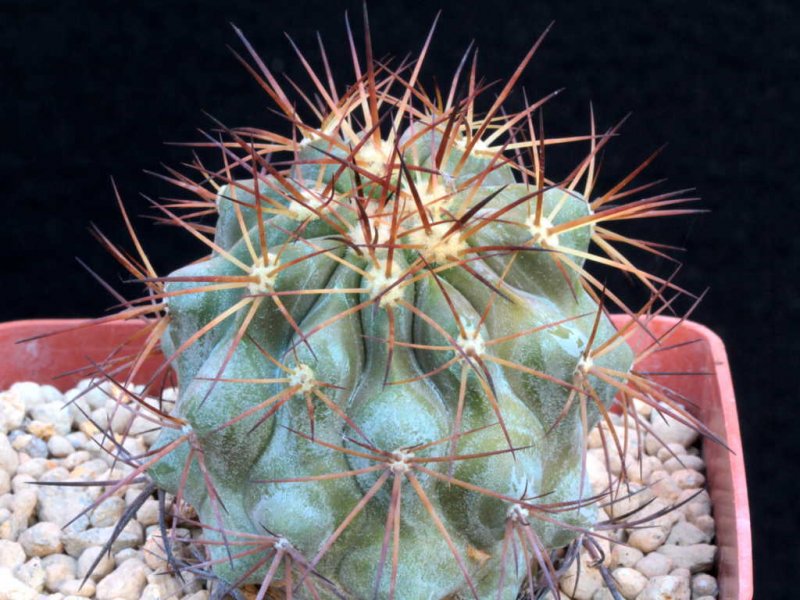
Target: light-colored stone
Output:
[
  {"x": 685, "y": 534},
  {"x": 30, "y": 392},
  {"x": 43, "y": 430},
  {"x": 12, "y": 554},
  {"x": 625, "y": 556},
  {"x": 12, "y": 411},
  {"x": 49, "y": 393},
  {"x": 88, "y": 557},
  {"x": 629, "y": 582},
  {"x": 59, "y": 446},
  {"x": 669, "y": 431},
  {"x": 22, "y": 483},
  {"x": 55, "y": 413},
  {"x": 9, "y": 461},
  {"x": 665, "y": 587},
  {"x": 705, "y": 523},
  {"x": 58, "y": 568},
  {"x": 684, "y": 462},
  {"x": 670, "y": 451},
  {"x": 688, "y": 479},
  {"x": 628, "y": 500},
  {"x": 32, "y": 574},
  {"x": 76, "y": 542},
  {"x": 35, "y": 467},
  {"x": 12, "y": 588},
  {"x": 154, "y": 555},
  {"x": 700, "y": 503},
  {"x": 583, "y": 587},
  {"x": 647, "y": 539},
  {"x": 164, "y": 585},
  {"x": 42, "y": 539},
  {"x": 25, "y": 501},
  {"x": 696, "y": 558},
  {"x": 90, "y": 469},
  {"x": 108, "y": 512},
  {"x": 148, "y": 512},
  {"x": 663, "y": 486},
  {"x": 126, "y": 582},
  {"x": 10, "y": 526},
  {"x": 200, "y": 595},
  {"x": 654, "y": 565},
  {"x": 77, "y": 587},
  {"x": 92, "y": 393},
  {"x": 62, "y": 504},
  {"x": 75, "y": 459}
]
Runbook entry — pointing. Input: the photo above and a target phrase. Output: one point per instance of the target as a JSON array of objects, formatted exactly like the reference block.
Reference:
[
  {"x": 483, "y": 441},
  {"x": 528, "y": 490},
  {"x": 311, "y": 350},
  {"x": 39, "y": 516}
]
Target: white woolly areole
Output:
[
  {"x": 472, "y": 342},
  {"x": 380, "y": 228},
  {"x": 263, "y": 271},
  {"x": 436, "y": 246},
  {"x": 480, "y": 147},
  {"x": 282, "y": 544},
  {"x": 400, "y": 464},
  {"x": 374, "y": 158},
  {"x": 377, "y": 282},
  {"x": 303, "y": 376},
  {"x": 541, "y": 232},
  {"x": 585, "y": 364},
  {"x": 518, "y": 513},
  {"x": 434, "y": 197},
  {"x": 312, "y": 200}
]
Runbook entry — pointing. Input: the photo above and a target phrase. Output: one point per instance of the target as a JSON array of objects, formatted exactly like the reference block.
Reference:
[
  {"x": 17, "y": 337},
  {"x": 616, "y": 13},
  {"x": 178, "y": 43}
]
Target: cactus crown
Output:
[{"x": 390, "y": 358}]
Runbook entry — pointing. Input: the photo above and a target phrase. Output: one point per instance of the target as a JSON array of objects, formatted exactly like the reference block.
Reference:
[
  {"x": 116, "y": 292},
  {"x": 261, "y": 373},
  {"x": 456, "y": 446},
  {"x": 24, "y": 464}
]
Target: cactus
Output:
[{"x": 392, "y": 354}]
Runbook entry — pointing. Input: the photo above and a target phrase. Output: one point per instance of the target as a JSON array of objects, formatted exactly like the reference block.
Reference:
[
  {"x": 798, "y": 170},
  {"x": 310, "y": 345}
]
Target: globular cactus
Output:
[{"x": 390, "y": 359}]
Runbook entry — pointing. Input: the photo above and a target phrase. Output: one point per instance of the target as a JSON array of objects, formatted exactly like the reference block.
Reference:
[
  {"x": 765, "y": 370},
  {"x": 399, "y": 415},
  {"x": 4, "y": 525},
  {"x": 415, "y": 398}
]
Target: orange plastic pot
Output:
[{"x": 692, "y": 362}]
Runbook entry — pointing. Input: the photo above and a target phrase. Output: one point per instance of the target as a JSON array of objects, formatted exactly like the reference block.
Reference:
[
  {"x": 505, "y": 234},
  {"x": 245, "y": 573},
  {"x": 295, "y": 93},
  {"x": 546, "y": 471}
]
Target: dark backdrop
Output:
[{"x": 90, "y": 90}]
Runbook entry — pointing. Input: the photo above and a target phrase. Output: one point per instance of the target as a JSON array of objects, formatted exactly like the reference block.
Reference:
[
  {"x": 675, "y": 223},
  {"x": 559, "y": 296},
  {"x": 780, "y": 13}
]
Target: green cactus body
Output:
[{"x": 344, "y": 381}]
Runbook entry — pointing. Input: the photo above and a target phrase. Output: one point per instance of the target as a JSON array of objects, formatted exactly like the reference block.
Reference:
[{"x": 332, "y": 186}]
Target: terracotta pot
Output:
[{"x": 693, "y": 363}]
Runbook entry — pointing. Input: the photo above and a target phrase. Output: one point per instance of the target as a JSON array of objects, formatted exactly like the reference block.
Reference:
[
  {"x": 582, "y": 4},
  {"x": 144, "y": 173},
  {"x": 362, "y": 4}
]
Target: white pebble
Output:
[
  {"x": 77, "y": 587},
  {"x": 124, "y": 583},
  {"x": 654, "y": 565},
  {"x": 686, "y": 534},
  {"x": 696, "y": 558},
  {"x": 665, "y": 586},
  {"x": 9, "y": 461},
  {"x": 669, "y": 431},
  {"x": 43, "y": 539},
  {"x": 629, "y": 582},
  {"x": 12, "y": 554},
  {"x": 108, "y": 513},
  {"x": 670, "y": 451},
  {"x": 56, "y": 414},
  {"x": 32, "y": 574},
  {"x": 625, "y": 556},
  {"x": 688, "y": 479},
  {"x": 59, "y": 446},
  {"x": 704, "y": 584},
  {"x": 58, "y": 568},
  {"x": 687, "y": 461},
  {"x": 76, "y": 542},
  {"x": 13, "y": 588},
  {"x": 87, "y": 558},
  {"x": 12, "y": 411},
  {"x": 583, "y": 587}
]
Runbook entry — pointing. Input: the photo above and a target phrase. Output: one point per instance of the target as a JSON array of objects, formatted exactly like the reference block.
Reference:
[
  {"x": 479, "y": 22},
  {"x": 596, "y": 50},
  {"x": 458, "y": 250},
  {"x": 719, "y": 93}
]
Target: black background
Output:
[{"x": 90, "y": 90}]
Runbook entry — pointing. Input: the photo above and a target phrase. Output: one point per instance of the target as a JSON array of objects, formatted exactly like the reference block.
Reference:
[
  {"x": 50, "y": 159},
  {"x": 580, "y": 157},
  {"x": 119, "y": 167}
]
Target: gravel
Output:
[{"x": 50, "y": 536}]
